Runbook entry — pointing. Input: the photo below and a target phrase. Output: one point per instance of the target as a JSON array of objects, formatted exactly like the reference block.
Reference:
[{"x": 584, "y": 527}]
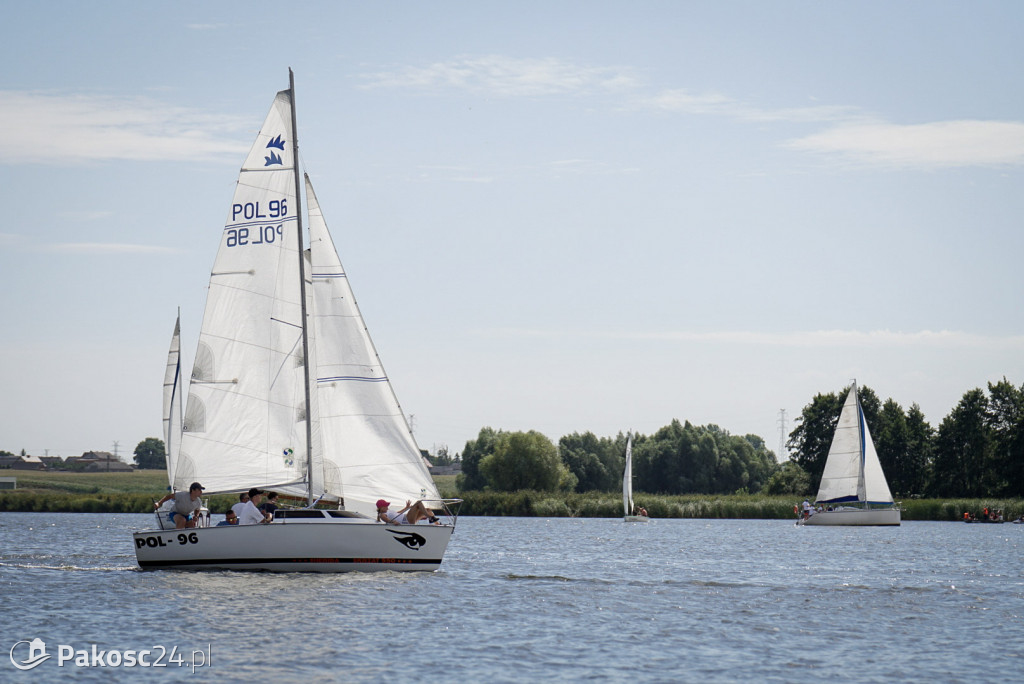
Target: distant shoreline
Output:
[
  {"x": 534, "y": 504},
  {"x": 135, "y": 492}
]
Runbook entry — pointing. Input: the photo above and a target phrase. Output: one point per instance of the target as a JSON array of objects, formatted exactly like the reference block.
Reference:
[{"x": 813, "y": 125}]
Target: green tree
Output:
[
  {"x": 701, "y": 457},
  {"x": 584, "y": 456},
  {"x": 684, "y": 459},
  {"x": 150, "y": 455},
  {"x": 657, "y": 467},
  {"x": 917, "y": 462},
  {"x": 525, "y": 460},
  {"x": 962, "y": 449},
  {"x": 471, "y": 478},
  {"x": 1005, "y": 420},
  {"x": 761, "y": 462},
  {"x": 790, "y": 478},
  {"x": 891, "y": 443}
]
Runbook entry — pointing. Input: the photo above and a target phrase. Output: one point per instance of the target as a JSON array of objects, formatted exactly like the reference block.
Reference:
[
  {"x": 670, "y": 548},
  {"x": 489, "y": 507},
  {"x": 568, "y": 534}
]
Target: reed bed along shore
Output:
[
  {"x": 738, "y": 506},
  {"x": 534, "y": 504},
  {"x": 66, "y": 492}
]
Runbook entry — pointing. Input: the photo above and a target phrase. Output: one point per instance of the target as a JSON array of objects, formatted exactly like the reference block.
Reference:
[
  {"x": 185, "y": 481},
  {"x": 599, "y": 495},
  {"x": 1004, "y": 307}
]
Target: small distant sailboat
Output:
[
  {"x": 853, "y": 485},
  {"x": 627, "y": 486}
]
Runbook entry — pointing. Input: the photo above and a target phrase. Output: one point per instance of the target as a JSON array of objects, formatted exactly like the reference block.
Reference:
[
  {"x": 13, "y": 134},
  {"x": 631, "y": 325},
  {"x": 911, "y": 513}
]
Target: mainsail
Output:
[
  {"x": 852, "y": 470},
  {"x": 245, "y": 417}
]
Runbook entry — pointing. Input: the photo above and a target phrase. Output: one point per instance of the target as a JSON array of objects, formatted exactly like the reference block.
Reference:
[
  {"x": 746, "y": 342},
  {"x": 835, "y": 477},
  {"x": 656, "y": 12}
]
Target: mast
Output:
[
  {"x": 302, "y": 291},
  {"x": 862, "y": 492}
]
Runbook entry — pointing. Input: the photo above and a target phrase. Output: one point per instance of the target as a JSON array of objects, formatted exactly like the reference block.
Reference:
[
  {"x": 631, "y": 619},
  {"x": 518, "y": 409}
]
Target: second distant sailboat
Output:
[{"x": 627, "y": 487}]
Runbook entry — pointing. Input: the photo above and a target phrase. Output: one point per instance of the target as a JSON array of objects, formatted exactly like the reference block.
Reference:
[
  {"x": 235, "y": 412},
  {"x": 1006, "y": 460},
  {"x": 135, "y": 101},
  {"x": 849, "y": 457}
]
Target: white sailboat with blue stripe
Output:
[{"x": 853, "y": 489}]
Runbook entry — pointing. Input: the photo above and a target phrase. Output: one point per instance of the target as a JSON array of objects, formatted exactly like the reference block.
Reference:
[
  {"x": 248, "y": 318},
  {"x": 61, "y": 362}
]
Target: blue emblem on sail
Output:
[{"x": 275, "y": 158}]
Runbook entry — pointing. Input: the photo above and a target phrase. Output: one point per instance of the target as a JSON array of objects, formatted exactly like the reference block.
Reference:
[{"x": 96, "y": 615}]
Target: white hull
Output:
[
  {"x": 326, "y": 545},
  {"x": 855, "y": 516},
  {"x": 636, "y": 518}
]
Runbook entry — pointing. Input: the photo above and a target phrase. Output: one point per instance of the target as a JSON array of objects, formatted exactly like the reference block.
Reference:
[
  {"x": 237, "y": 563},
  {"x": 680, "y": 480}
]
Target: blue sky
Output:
[{"x": 561, "y": 216}]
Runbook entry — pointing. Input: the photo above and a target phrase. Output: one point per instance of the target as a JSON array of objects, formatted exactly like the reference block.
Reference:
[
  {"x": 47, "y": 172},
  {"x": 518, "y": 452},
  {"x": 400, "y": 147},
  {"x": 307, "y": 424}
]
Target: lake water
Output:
[{"x": 525, "y": 599}]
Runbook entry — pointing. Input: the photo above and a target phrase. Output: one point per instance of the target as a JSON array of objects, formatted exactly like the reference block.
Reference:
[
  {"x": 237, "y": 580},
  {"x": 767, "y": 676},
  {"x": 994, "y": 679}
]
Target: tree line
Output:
[
  {"x": 977, "y": 451},
  {"x": 679, "y": 458}
]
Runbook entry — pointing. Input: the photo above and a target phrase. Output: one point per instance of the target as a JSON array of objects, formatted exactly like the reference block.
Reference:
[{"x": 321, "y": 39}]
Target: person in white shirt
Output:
[
  {"x": 251, "y": 514},
  {"x": 243, "y": 499}
]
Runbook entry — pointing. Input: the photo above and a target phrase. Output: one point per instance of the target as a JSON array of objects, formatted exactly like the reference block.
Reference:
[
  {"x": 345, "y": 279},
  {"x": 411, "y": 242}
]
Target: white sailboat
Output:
[
  {"x": 287, "y": 393},
  {"x": 627, "y": 486},
  {"x": 853, "y": 488},
  {"x": 172, "y": 413}
]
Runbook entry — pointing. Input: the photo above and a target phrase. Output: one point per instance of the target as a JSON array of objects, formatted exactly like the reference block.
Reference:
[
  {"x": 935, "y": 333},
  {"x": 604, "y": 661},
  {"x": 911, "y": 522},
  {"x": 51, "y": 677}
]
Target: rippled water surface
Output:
[{"x": 524, "y": 599}]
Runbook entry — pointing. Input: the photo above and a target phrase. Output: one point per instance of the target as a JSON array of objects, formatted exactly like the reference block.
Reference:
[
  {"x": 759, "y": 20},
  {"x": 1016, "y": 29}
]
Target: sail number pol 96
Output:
[
  {"x": 158, "y": 540},
  {"x": 251, "y": 210},
  {"x": 256, "y": 235}
]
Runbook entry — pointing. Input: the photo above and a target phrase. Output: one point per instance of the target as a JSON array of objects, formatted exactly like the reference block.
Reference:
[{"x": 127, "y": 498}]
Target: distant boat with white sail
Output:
[
  {"x": 853, "y": 489},
  {"x": 631, "y": 513}
]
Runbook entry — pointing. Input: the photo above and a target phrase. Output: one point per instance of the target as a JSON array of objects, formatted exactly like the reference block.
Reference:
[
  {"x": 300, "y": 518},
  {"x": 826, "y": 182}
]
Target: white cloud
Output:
[
  {"x": 682, "y": 101},
  {"x": 506, "y": 77},
  {"x": 864, "y": 139},
  {"x": 854, "y": 136},
  {"x": 940, "y": 144},
  {"x": 51, "y": 128}
]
